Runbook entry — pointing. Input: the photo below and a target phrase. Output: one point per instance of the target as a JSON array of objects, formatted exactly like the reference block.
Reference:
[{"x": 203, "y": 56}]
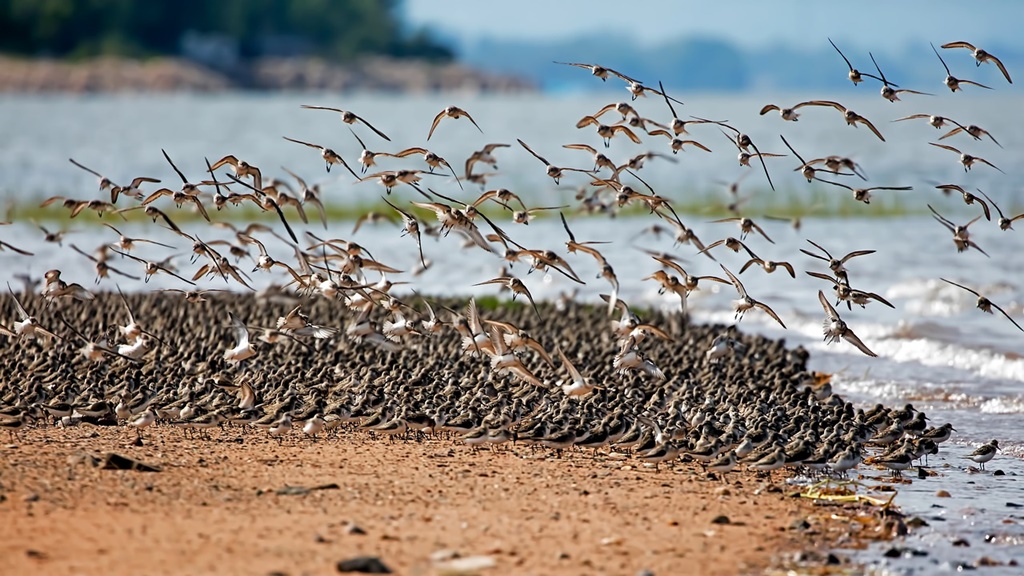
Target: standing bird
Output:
[{"x": 984, "y": 453}]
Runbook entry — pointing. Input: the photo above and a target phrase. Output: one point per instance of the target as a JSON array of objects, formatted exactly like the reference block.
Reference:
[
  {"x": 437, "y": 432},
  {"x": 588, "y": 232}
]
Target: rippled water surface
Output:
[{"x": 936, "y": 350}]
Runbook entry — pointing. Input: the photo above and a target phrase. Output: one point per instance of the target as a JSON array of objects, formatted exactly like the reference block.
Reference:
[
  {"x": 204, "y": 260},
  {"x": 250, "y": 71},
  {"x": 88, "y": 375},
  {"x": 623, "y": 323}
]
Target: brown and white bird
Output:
[
  {"x": 952, "y": 82},
  {"x": 348, "y": 118},
  {"x": 855, "y": 76},
  {"x": 966, "y": 160},
  {"x": 980, "y": 56},
  {"x": 745, "y": 302},
  {"x": 453, "y": 112},
  {"x": 835, "y": 328},
  {"x": 983, "y": 303}
]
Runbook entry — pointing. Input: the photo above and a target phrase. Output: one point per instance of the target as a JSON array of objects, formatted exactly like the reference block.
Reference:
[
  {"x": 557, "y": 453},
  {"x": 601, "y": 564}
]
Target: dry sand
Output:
[{"x": 213, "y": 509}]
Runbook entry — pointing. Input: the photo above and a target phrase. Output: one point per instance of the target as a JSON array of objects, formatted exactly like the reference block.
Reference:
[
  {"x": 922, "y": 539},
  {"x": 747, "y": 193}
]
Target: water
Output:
[{"x": 935, "y": 349}]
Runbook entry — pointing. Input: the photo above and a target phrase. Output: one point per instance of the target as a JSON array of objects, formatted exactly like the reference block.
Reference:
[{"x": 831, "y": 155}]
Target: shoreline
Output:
[
  {"x": 171, "y": 74},
  {"x": 530, "y": 503}
]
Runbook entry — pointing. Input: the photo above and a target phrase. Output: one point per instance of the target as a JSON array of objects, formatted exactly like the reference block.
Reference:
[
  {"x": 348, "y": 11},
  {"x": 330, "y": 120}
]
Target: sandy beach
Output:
[{"x": 214, "y": 508}]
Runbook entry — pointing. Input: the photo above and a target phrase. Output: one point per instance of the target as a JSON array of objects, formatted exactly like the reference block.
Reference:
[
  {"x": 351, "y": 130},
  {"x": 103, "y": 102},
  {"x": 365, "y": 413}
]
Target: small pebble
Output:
[
  {"x": 364, "y": 565},
  {"x": 942, "y": 494},
  {"x": 722, "y": 519}
]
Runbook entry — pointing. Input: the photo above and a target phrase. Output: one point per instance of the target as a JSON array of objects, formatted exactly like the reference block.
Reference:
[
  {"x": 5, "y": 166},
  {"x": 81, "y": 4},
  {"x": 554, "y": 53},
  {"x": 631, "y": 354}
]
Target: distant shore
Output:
[{"x": 104, "y": 75}]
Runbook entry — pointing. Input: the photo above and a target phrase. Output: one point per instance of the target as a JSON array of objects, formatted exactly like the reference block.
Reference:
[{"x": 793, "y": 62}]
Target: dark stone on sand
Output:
[
  {"x": 999, "y": 473},
  {"x": 364, "y": 565},
  {"x": 354, "y": 529},
  {"x": 800, "y": 524},
  {"x": 916, "y": 522},
  {"x": 113, "y": 461},
  {"x": 833, "y": 560},
  {"x": 896, "y": 552},
  {"x": 722, "y": 519},
  {"x": 960, "y": 543},
  {"x": 1014, "y": 505},
  {"x": 303, "y": 490}
]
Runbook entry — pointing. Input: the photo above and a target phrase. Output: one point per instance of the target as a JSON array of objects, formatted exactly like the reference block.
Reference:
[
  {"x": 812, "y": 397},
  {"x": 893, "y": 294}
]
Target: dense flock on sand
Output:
[{"x": 339, "y": 346}]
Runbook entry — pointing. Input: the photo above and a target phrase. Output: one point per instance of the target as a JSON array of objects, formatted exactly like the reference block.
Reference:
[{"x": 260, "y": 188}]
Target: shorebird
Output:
[
  {"x": 888, "y": 92},
  {"x": 54, "y": 287},
  {"x": 28, "y": 326},
  {"x": 973, "y": 130},
  {"x": 680, "y": 285},
  {"x": 966, "y": 160},
  {"x": 788, "y": 113},
  {"x": 601, "y": 72},
  {"x": 835, "y": 328},
  {"x": 745, "y": 302},
  {"x": 298, "y": 323},
  {"x": 983, "y": 303},
  {"x": 961, "y": 236},
  {"x": 676, "y": 143},
  {"x": 329, "y": 156},
  {"x": 836, "y": 265},
  {"x": 984, "y": 453},
  {"x": 453, "y": 112},
  {"x": 126, "y": 243},
  {"x": 1004, "y": 222},
  {"x": 115, "y": 190},
  {"x": 744, "y": 143},
  {"x": 607, "y": 132},
  {"x": 852, "y": 118},
  {"x": 348, "y": 118},
  {"x": 768, "y": 266},
  {"x": 722, "y": 346},
  {"x": 410, "y": 227},
  {"x": 806, "y": 169},
  {"x": 863, "y": 194},
  {"x": 516, "y": 286},
  {"x": 241, "y": 169},
  {"x": 934, "y": 120},
  {"x": 855, "y": 76},
  {"x": 153, "y": 267},
  {"x": 485, "y": 155},
  {"x": 968, "y": 197},
  {"x": 747, "y": 225},
  {"x": 844, "y": 292},
  {"x": 243, "y": 350},
  {"x": 433, "y": 160},
  {"x": 600, "y": 160},
  {"x": 553, "y": 171},
  {"x": 952, "y": 82},
  {"x": 980, "y": 56},
  {"x": 103, "y": 269}
]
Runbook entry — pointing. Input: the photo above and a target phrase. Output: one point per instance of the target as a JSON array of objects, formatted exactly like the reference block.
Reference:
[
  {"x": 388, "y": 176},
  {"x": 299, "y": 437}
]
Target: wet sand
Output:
[{"x": 213, "y": 508}]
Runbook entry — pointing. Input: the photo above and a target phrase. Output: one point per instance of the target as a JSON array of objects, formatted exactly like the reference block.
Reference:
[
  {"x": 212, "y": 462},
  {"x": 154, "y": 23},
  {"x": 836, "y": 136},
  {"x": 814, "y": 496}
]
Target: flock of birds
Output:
[{"x": 401, "y": 366}]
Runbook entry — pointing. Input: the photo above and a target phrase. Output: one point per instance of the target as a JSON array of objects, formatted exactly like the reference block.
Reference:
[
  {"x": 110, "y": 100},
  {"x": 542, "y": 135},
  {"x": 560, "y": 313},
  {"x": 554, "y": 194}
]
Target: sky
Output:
[{"x": 749, "y": 23}]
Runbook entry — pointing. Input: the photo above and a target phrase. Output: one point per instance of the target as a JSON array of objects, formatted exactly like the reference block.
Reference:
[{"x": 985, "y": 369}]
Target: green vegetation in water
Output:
[{"x": 709, "y": 205}]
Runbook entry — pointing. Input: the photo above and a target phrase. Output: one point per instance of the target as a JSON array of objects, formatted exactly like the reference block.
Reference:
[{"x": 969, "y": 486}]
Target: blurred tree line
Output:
[{"x": 337, "y": 29}]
